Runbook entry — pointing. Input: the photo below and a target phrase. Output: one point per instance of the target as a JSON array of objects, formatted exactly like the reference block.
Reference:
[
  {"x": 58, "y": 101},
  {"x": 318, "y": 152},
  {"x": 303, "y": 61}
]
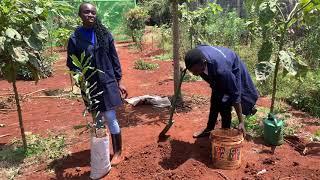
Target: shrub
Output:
[
  {"x": 225, "y": 29},
  {"x": 45, "y": 67},
  {"x": 63, "y": 21},
  {"x": 143, "y": 65},
  {"x": 310, "y": 45},
  {"x": 165, "y": 42},
  {"x": 61, "y": 36},
  {"x": 135, "y": 21},
  {"x": 158, "y": 10},
  {"x": 306, "y": 99}
]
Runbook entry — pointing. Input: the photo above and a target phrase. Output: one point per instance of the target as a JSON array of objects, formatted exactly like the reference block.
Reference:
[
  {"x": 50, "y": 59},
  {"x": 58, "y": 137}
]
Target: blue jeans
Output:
[{"x": 109, "y": 119}]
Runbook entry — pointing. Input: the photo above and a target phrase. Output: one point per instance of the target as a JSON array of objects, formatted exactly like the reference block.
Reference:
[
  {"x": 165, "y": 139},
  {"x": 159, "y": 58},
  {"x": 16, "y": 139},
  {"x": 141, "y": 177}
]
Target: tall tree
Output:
[
  {"x": 22, "y": 37},
  {"x": 176, "y": 46}
]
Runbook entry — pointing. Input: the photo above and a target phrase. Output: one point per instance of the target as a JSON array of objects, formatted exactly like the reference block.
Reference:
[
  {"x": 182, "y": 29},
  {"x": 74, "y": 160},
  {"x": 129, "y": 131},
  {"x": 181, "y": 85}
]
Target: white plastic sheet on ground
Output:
[
  {"x": 156, "y": 101},
  {"x": 100, "y": 156}
]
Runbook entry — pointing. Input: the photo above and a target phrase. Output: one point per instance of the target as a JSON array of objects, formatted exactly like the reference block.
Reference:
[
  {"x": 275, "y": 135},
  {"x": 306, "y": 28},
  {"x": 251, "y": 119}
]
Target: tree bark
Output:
[
  {"x": 176, "y": 46},
  {"x": 16, "y": 95}
]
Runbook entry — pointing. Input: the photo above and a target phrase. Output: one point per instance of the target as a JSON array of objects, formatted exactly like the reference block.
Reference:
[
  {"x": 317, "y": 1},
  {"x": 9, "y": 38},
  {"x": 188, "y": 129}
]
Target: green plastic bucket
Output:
[{"x": 273, "y": 130}]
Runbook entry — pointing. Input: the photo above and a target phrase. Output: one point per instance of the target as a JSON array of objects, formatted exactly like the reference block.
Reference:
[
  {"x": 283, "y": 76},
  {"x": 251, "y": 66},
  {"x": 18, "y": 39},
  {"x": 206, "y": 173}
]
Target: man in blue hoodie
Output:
[{"x": 230, "y": 81}]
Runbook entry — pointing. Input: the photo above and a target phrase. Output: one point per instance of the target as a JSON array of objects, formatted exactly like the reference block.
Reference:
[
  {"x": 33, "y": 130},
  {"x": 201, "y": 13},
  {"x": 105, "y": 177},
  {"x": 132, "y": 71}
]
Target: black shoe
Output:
[{"x": 117, "y": 149}]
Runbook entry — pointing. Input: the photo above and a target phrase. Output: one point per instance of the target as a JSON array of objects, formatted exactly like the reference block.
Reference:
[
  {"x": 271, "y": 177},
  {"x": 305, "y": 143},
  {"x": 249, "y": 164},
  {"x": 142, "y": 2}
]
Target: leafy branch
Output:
[
  {"x": 268, "y": 19},
  {"x": 82, "y": 75}
]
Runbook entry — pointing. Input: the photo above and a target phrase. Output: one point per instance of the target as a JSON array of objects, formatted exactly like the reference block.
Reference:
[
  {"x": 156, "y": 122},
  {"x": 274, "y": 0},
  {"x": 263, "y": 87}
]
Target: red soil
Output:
[{"x": 180, "y": 157}]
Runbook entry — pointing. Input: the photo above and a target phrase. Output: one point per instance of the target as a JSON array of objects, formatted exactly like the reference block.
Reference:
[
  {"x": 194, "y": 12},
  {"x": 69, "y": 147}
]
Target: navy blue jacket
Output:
[
  {"x": 105, "y": 59},
  {"x": 229, "y": 77}
]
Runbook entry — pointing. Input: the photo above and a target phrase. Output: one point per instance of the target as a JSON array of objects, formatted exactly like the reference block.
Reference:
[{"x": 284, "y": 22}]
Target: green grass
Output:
[
  {"x": 163, "y": 57},
  {"x": 252, "y": 125},
  {"x": 191, "y": 78},
  {"x": 40, "y": 149},
  {"x": 316, "y": 136},
  {"x": 143, "y": 65},
  {"x": 290, "y": 130}
]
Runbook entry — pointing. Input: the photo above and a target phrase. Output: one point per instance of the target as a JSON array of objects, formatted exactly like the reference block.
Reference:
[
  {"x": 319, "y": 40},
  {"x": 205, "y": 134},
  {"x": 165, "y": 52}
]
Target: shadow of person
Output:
[
  {"x": 77, "y": 159},
  {"x": 181, "y": 151}
]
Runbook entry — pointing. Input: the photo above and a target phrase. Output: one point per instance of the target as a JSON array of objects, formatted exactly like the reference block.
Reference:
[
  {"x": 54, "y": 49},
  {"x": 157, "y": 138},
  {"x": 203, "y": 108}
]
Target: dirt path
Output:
[{"x": 180, "y": 157}]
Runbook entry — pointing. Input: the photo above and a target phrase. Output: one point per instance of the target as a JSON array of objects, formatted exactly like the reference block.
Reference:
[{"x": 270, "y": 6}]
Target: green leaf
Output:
[
  {"x": 34, "y": 61},
  {"x": 13, "y": 34},
  {"x": 302, "y": 66},
  {"x": 8, "y": 72},
  {"x": 87, "y": 62},
  {"x": 20, "y": 55},
  {"x": 33, "y": 42},
  {"x": 93, "y": 73},
  {"x": 39, "y": 30},
  {"x": 265, "y": 51},
  {"x": 83, "y": 54},
  {"x": 84, "y": 71},
  {"x": 293, "y": 20},
  {"x": 34, "y": 71},
  {"x": 39, "y": 10},
  {"x": 287, "y": 60},
  {"x": 263, "y": 70},
  {"x": 93, "y": 85},
  {"x": 2, "y": 41},
  {"x": 97, "y": 94},
  {"x": 76, "y": 61},
  {"x": 93, "y": 89},
  {"x": 267, "y": 11},
  {"x": 76, "y": 78}
]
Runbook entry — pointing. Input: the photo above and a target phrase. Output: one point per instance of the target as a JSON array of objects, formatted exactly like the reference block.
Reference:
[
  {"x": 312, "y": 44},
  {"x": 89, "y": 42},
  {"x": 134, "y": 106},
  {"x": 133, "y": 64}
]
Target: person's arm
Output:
[
  {"x": 238, "y": 109},
  {"x": 233, "y": 88}
]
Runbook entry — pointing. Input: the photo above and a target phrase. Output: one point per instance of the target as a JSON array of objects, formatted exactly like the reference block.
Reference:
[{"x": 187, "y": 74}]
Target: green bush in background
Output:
[{"x": 135, "y": 21}]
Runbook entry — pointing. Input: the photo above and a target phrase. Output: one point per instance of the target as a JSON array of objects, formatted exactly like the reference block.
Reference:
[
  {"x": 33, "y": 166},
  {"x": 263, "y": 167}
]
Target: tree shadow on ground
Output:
[
  {"x": 182, "y": 151},
  {"x": 73, "y": 161},
  {"x": 11, "y": 155},
  {"x": 268, "y": 149}
]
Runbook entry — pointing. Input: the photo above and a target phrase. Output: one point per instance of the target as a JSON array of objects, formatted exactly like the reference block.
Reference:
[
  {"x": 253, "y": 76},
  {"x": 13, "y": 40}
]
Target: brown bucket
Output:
[{"x": 226, "y": 148}]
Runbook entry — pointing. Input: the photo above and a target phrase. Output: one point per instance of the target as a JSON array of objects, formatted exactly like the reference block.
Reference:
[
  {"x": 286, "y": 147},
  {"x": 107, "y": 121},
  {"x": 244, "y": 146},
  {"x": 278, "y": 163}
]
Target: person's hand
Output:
[
  {"x": 123, "y": 91},
  {"x": 242, "y": 128}
]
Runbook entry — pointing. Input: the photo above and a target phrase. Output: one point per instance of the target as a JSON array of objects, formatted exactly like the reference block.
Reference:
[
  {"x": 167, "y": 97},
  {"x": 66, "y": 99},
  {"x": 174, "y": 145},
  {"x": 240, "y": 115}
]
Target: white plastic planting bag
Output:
[{"x": 100, "y": 157}]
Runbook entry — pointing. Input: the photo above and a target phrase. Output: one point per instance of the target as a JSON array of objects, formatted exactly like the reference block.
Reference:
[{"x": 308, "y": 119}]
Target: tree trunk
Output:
[
  {"x": 16, "y": 95},
  {"x": 239, "y": 7},
  {"x": 176, "y": 46},
  {"x": 274, "y": 83}
]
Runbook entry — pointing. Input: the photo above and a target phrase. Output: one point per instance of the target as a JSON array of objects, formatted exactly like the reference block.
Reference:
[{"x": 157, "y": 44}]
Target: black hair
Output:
[
  {"x": 193, "y": 57},
  {"x": 100, "y": 30}
]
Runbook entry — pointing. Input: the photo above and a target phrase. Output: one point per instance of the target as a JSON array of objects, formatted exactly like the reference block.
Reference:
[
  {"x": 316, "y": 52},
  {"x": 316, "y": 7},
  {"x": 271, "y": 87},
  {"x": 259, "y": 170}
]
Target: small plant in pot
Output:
[{"x": 100, "y": 156}]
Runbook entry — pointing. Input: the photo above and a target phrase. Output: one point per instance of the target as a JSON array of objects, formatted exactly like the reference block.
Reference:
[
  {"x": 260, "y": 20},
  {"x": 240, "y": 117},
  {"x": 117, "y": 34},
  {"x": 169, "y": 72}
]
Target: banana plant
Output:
[
  {"x": 81, "y": 76},
  {"x": 22, "y": 37},
  {"x": 274, "y": 24}
]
